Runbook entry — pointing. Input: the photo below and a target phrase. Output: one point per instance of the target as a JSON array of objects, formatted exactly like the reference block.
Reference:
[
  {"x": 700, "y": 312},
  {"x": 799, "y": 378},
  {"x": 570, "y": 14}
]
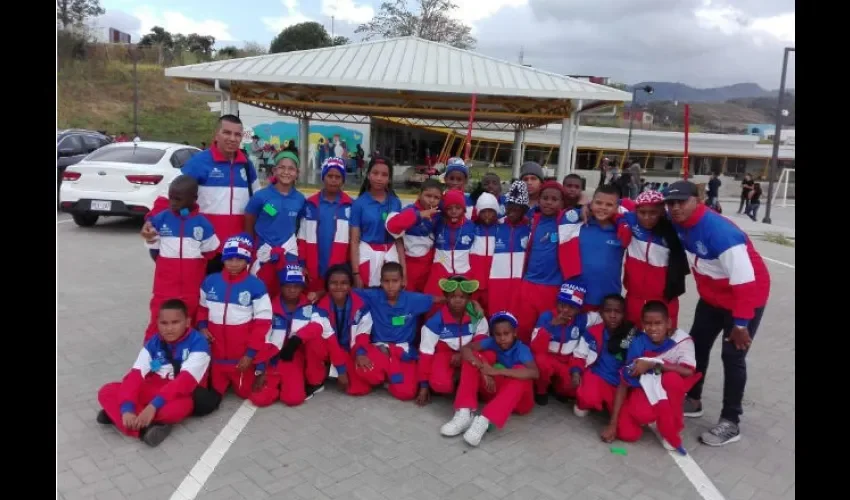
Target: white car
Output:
[{"x": 122, "y": 179}]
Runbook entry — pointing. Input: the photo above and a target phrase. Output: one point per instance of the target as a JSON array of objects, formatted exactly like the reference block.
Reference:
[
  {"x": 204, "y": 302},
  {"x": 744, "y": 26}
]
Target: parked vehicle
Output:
[
  {"x": 122, "y": 179},
  {"x": 73, "y": 145}
]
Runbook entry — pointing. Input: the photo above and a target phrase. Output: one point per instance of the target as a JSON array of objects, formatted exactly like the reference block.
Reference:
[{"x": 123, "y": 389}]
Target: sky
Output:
[{"x": 702, "y": 43}]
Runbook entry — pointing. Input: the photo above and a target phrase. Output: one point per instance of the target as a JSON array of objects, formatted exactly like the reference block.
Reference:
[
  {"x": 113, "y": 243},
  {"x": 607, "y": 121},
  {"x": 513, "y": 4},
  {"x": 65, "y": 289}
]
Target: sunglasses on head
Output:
[{"x": 466, "y": 286}]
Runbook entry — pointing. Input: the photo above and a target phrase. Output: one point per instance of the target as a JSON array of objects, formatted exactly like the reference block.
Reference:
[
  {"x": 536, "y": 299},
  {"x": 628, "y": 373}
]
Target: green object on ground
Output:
[{"x": 619, "y": 451}]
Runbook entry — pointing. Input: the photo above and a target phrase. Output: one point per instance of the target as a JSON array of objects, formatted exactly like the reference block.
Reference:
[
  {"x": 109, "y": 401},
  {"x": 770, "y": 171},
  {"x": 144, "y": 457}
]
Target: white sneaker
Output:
[
  {"x": 476, "y": 430},
  {"x": 458, "y": 424},
  {"x": 579, "y": 412}
]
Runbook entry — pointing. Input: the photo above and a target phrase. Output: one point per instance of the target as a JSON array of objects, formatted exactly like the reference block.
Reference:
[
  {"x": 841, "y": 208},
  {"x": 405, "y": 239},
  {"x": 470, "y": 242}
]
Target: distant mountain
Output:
[{"x": 669, "y": 91}]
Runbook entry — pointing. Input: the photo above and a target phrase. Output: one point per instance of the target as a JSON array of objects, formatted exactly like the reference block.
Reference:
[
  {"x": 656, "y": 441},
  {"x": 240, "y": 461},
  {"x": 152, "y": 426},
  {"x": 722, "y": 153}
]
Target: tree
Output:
[
  {"x": 158, "y": 36},
  {"x": 340, "y": 40},
  {"x": 301, "y": 36},
  {"x": 253, "y": 49},
  {"x": 74, "y": 12},
  {"x": 431, "y": 22},
  {"x": 229, "y": 52},
  {"x": 200, "y": 44}
]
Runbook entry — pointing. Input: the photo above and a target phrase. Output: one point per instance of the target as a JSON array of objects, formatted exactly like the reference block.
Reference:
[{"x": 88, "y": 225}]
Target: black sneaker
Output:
[
  {"x": 103, "y": 418},
  {"x": 155, "y": 434},
  {"x": 541, "y": 399},
  {"x": 693, "y": 408},
  {"x": 724, "y": 432},
  {"x": 312, "y": 390}
]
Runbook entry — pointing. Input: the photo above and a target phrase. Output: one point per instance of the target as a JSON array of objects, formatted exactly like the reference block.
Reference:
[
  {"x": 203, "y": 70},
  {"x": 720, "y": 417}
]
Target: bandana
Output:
[
  {"x": 334, "y": 163},
  {"x": 286, "y": 154},
  {"x": 518, "y": 194},
  {"x": 649, "y": 198}
]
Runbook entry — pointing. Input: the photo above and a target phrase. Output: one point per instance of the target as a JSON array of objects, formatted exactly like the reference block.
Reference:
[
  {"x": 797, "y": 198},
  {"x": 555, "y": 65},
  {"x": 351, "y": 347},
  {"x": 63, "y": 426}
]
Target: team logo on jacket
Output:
[
  {"x": 574, "y": 333},
  {"x": 215, "y": 172},
  {"x": 198, "y": 233},
  {"x": 185, "y": 354},
  {"x": 465, "y": 240},
  {"x": 245, "y": 298},
  {"x": 165, "y": 230},
  {"x": 244, "y": 174},
  {"x": 308, "y": 311},
  {"x": 523, "y": 242},
  {"x": 572, "y": 216},
  {"x": 347, "y": 212},
  {"x": 701, "y": 248},
  {"x": 211, "y": 295}
]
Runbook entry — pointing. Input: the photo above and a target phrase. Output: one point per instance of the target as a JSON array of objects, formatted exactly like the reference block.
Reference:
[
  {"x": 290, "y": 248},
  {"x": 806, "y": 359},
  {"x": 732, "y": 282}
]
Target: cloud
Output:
[
  {"x": 471, "y": 11},
  {"x": 703, "y": 43},
  {"x": 176, "y": 22},
  {"x": 293, "y": 16},
  {"x": 347, "y": 11}
]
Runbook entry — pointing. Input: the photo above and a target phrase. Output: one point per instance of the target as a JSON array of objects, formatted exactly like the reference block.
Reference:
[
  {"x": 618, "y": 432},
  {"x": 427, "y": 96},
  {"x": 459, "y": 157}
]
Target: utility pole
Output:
[
  {"x": 774, "y": 162},
  {"x": 133, "y": 54}
]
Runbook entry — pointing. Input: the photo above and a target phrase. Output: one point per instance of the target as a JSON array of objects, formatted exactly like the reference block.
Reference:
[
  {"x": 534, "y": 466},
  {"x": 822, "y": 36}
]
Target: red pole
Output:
[
  {"x": 685, "y": 167},
  {"x": 468, "y": 145}
]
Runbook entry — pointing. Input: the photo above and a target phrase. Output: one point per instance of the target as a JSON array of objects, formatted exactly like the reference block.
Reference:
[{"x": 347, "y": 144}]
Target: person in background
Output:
[
  {"x": 371, "y": 246},
  {"x": 713, "y": 192},
  {"x": 122, "y": 137},
  {"x": 359, "y": 157},
  {"x": 733, "y": 285},
  {"x": 415, "y": 226},
  {"x": 531, "y": 174},
  {"x": 754, "y": 202},
  {"x": 604, "y": 168},
  {"x": 572, "y": 191},
  {"x": 746, "y": 188},
  {"x": 203, "y": 145},
  {"x": 456, "y": 177},
  {"x": 323, "y": 231},
  {"x": 157, "y": 391},
  {"x": 509, "y": 243},
  {"x": 490, "y": 183}
]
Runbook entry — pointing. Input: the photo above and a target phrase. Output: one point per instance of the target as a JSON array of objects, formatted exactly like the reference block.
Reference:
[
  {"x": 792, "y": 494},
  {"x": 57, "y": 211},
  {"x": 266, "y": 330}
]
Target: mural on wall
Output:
[{"x": 324, "y": 140}]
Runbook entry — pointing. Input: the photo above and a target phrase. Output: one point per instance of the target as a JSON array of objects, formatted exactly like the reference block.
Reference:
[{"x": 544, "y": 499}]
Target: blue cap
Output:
[
  {"x": 238, "y": 247},
  {"x": 573, "y": 293},
  {"x": 504, "y": 315},
  {"x": 456, "y": 164},
  {"x": 291, "y": 275},
  {"x": 335, "y": 163}
]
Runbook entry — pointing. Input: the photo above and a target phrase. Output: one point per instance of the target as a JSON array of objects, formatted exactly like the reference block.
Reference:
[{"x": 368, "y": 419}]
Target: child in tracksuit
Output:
[
  {"x": 343, "y": 315},
  {"x": 456, "y": 177},
  {"x": 510, "y": 241},
  {"x": 490, "y": 183},
  {"x": 185, "y": 242},
  {"x": 508, "y": 388},
  {"x": 271, "y": 215},
  {"x": 157, "y": 391},
  {"x": 323, "y": 231},
  {"x": 443, "y": 336},
  {"x": 543, "y": 275},
  {"x": 389, "y": 354},
  {"x": 454, "y": 238},
  {"x": 235, "y": 314},
  {"x": 656, "y": 264},
  {"x": 415, "y": 225},
  {"x": 660, "y": 368},
  {"x": 299, "y": 369},
  {"x": 484, "y": 245},
  {"x": 593, "y": 252},
  {"x": 555, "y": 340}
]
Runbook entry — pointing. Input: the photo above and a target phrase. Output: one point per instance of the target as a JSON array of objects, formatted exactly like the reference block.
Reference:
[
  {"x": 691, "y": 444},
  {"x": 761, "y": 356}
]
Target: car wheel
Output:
[{"x": 85, "y": 220}]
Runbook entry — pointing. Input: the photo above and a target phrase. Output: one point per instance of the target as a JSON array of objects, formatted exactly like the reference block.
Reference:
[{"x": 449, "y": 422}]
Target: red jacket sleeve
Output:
[
  {"x": 624, "y": 232},
  {"x": 569, "y": 254},
  {"x": 130, "y": 387},
  {"x": 338, "y": 355},
  {"x": 402, "y": 221},
  {"x": 540, "y": 341},
  {"x": 260, "y": 325},
  {"x": 161, "y": 204}
]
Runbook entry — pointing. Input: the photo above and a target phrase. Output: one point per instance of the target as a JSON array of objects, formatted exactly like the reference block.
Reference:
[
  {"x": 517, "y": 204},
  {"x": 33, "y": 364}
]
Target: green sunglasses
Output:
[{"x": 466, "y": 286}]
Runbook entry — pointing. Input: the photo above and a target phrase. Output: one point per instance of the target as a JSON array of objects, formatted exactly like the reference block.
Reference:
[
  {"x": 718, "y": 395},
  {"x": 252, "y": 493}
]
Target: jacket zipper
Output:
[{"x": 224, "y": 316}]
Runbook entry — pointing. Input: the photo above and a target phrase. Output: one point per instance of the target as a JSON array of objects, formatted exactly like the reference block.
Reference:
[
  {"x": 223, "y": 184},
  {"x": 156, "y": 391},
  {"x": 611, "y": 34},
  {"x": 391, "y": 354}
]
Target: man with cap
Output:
[
  {"x": 456, "y": 177},
  {"x": 272, "y": 215},
  {"x": 323, "y": 231},
  {"x": 235, "y": 315},
  {"x": 532, "y": 175},
  {"x": 733, "y": 285}
]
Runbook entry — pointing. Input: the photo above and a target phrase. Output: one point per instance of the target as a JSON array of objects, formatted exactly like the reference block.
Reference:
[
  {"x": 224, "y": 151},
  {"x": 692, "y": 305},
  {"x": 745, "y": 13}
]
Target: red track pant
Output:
[
  {"x": 173, "y": 412},
  {"x": 225, "y": 375},
  {"x": 667, "y": 413},
  {"x": 530, "y": 303},
  {"x": 417, "y": 272},
  {"x": 268, "y": 275},
  {"x": 156, "y": 303},
  {"x": 286, "y": 380},
  {"x": 442, "y": 378},
  {"x": 634, "y": 305},
  {"x": 594, "y": 393},
  {"x": 555, "y": 372},
  {"x": 511, "y": 395},
  {"x": 401, "y": 375}
]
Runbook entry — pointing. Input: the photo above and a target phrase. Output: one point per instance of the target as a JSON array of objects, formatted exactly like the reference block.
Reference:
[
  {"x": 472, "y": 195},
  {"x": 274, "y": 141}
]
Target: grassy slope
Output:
[{"x": 99, "y": 96}]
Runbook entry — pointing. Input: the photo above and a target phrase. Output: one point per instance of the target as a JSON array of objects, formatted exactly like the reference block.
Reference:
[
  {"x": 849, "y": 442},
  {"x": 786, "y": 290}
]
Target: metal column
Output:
[
  {"x": 306, "y": 173},
  {"x": 565, "y": 152},
  {"x": 519, "y": 136}
]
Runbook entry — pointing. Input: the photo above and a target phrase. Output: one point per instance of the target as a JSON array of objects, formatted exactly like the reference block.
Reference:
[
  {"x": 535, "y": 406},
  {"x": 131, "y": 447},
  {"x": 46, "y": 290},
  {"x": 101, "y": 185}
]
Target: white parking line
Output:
[
  {"x": 791, "y": 266},
  {"x": 204, "y": 467},
  {"x": 693, "y": 472}
]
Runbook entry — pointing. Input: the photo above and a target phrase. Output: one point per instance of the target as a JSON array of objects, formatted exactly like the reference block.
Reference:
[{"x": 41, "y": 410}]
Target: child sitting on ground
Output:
[
  {"x": 157, "y": 392},
  {"x": 235, "y": 315},
  {"x": 183, "y": 244},
  {"x": 456, "y": 324},
  {"x": 415, "y": 225},
  {"x": 658, "y": 372},
  {"x": 508, "y": 389}
]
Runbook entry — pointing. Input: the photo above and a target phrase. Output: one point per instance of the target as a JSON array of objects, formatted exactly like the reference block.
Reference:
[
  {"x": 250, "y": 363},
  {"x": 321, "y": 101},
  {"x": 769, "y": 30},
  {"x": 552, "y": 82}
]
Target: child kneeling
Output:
[
  {"x": 508, "y": 389},
  {"x": 157, "y": 384}
]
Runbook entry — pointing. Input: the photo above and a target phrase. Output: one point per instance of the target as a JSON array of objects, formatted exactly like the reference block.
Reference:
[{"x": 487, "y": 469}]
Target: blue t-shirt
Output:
[
  {"x": 543, "y": 267},
  {"x": 370, "y": 216},
  {"x": 601, "y": 261},
  {"x": 395, "y": 324},
  {"x": 517, "y": 354},
  {"x": 276, "y": 213}
]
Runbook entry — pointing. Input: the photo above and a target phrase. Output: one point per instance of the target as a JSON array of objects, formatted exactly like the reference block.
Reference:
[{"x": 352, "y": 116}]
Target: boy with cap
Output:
[
  {"x": 235, "y": 315},
  {"x": 531, "y": 174},
  {"x": 456, "y": 177},
  {"x": 271, "y": 215},
  {"x": 323, "y": 233},
  {"x": 184, "y": 243},
  {"x": 484, "y": 245},
  {"x": 454, "y": 238},
  {"x": 509, "y": 243}
]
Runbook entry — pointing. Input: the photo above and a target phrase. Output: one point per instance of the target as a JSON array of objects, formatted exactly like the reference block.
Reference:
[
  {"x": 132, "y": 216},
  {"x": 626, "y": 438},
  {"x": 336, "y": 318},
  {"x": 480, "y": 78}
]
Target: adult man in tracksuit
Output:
[
  {"x": 733, "y": 284},
  {"x": 226, "y": 180}
]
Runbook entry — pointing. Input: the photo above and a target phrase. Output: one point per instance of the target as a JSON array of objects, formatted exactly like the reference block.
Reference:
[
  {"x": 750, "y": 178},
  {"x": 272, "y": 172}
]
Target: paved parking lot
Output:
[{"x": 374, "y": 447}]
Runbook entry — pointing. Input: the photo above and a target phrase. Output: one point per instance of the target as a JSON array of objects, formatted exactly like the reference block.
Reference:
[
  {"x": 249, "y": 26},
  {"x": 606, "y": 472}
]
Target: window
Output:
[
  {"x": 181, "y": 156},
  {"x": 137, "y": 155},
  {"x": 92, "y": 142},
  {"x": 72, "y": 142}
]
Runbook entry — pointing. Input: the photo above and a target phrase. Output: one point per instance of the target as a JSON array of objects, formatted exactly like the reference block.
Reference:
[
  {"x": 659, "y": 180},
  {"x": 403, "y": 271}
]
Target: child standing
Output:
[
  {"x": 271, "y": 215},
  {"x": 660, "y": 369},
  {"x": 656, "y": 264},
  {"x": 157, "y": 392},
  {"x": 323, "y": 232},
  {"x": 415, "y": 225},
  {"x": 184, "y": 243},
  {"x": 457, "y": 176},
  {"x": 443, "y": 336},
  {"x": 235, "y": 315},
  {"x": 490, "y": 183},
  {"x": 532, "y": 175},
  {"x": 510, "y": 240},
  {"x": 371, "y": 244},
  {"x": 455, "y": 236},
  {"x": 507, "y": 389},
  {"x": 484, "y": 245}
]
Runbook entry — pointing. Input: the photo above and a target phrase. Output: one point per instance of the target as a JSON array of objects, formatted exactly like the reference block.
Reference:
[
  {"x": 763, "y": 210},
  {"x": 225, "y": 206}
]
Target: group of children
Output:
[{"x": 494, "y": 298}]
